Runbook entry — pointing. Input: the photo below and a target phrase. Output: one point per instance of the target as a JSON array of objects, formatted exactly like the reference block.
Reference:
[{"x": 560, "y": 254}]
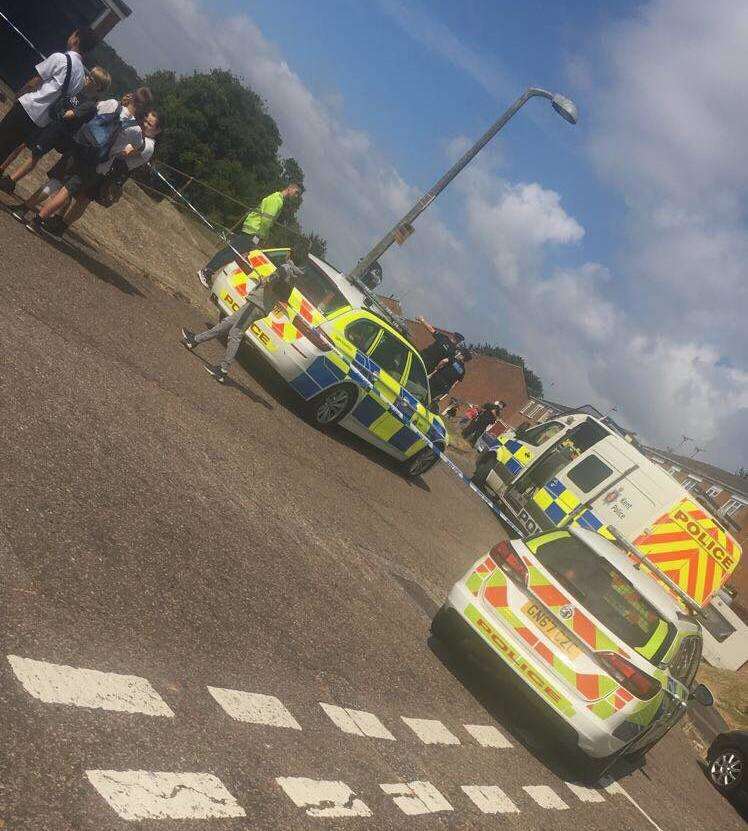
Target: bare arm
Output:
[{"x": 30, "y": 86}]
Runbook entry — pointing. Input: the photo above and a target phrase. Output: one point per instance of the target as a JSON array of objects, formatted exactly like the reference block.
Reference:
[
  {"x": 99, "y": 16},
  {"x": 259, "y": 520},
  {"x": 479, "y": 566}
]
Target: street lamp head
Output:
[{"x": 565, "y": 107}]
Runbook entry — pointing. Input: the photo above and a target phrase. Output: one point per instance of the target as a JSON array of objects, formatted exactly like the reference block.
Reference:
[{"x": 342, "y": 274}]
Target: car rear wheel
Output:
[
  {"x": 420, "y": 463},
  {"x": 727, "y": 769},
  {"x": 332, "y": 405}
]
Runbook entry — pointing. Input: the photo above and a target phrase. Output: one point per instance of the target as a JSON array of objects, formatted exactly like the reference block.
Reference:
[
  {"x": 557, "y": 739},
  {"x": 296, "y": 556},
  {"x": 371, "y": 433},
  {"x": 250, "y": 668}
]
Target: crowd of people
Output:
[{"x": 101, "y": 141}]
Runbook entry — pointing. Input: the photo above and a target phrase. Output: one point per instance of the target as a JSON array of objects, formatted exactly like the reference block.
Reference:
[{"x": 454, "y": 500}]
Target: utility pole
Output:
[{"x": 403, "y": 229}]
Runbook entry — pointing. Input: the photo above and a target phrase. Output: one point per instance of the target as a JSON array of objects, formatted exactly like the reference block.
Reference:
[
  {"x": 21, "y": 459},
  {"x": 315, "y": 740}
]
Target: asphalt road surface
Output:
[{"x": 214, "y": 615}]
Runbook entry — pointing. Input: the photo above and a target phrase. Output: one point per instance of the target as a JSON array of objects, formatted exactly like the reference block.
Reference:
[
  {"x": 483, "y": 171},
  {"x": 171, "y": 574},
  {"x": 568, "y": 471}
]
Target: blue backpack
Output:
[{"x": 100, "y": 133}]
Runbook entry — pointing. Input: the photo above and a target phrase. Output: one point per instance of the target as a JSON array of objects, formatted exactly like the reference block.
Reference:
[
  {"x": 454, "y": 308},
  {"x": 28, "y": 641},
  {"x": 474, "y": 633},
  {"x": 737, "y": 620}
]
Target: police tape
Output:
[
  {"x": 360, "y": 372},
  {"x": 22, "y": 36}
]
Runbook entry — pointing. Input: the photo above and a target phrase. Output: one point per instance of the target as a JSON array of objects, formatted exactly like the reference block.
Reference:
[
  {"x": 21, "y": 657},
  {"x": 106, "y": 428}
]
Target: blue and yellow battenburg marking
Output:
[
  {"x": 327, "y": 370},
  {"x": 557, "y": 502},
  {"x": 513, "y": 454}
]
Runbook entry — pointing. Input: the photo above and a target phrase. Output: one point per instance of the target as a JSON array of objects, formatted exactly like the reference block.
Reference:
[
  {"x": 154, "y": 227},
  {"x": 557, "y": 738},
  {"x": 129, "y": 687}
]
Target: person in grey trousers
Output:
[{"x": 260, "y": 302}]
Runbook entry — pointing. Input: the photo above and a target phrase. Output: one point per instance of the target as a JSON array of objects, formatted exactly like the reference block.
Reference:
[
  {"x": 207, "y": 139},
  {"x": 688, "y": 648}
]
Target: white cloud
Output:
[
  {"x": 667, "y": 132},
  {"x": 517, "y": 226}
]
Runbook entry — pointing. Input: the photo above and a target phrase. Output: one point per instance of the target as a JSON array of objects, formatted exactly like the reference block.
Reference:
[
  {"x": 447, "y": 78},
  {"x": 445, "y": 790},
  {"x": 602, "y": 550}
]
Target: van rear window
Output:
[{"x": 604, "y": 592}]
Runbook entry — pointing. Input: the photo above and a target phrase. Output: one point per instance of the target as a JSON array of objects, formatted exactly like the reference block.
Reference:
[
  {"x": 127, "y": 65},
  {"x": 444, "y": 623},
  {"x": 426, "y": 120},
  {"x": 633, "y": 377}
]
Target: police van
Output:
[{"x": 576, "y": 471}]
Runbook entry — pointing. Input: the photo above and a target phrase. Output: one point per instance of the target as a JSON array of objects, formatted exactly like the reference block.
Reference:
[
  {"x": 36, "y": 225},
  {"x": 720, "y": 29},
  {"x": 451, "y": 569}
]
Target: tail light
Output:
[
  {"x": 507, "y": 559},
  {"x": 311, "y": 333},
  {"x": 638, "y": 683}
]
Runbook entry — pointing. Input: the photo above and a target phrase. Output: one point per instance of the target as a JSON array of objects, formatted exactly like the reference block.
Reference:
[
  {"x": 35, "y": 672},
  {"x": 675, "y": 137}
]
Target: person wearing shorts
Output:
[{"x": 36, "y": 98}]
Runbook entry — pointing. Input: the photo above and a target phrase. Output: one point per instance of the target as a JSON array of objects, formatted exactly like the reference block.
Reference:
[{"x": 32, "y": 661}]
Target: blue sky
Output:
[{"x": 611, "y": 253}]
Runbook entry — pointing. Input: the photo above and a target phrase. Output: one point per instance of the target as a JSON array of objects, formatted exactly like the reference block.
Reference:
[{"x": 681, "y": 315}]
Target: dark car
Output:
[{"x": 726, "y": 762}]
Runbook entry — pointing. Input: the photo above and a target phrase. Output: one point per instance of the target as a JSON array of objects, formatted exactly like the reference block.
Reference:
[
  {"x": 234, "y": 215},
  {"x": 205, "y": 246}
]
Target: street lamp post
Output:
[{"x": 564, "y": 107}]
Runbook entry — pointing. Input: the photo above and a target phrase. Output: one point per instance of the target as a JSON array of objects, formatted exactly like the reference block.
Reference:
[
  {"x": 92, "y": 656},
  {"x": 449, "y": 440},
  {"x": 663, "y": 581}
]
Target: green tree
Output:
[
  {"x": 124, "y": 76},
  {"x": 532, "y": 381}
]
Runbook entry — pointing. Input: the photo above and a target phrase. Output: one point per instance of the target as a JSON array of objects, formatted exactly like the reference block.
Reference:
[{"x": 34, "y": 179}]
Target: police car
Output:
[
  {"x": 608, "y": 651},
  {"x": 312, "y": 342}
]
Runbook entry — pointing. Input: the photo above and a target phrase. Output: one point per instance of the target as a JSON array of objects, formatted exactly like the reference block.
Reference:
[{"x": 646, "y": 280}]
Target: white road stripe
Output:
[
  {"x": 487, "y": 735},
  {"x": 60, "y": 684},
  {"x": 490, "y": 799},
  {"x": 254, "y": 708},
  {"x": 148, "y": 794},
  {"x": 545, "y": 797},
  {"x": 585, "y": 794},
  {"x": 614, "y": 788},
  {"x": 430, "y": 731},
  {"x": 357, "y": 722},
  {"x": 322, "y": 798},
  {"x": 414, "y": 798}
]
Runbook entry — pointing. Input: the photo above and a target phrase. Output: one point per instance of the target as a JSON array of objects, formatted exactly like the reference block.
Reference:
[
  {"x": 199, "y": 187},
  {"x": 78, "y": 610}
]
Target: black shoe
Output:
[
  {"x": 47, "y": 227},
  {"x": 218, "y": 372},
  {"x": 188, "y": 339},
  {"x": 7, "y": 185},
  {"x": 35, "y": 223},
  {"x": 204, "y": 277}
]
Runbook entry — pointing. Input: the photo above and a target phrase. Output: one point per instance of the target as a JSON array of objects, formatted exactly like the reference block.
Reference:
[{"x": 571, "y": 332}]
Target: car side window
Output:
[
  {"x": 417, "y": 383},
  {"x": 589, "y": 473},
  {"x": 391, "y": 355},
  {"x": 362, "y": 333}
]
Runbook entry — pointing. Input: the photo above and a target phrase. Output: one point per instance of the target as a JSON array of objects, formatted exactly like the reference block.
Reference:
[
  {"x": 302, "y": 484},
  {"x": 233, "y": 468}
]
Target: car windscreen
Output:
[
  {"x": 603, "y": 591},
  {"x": 319, "y": 289}
]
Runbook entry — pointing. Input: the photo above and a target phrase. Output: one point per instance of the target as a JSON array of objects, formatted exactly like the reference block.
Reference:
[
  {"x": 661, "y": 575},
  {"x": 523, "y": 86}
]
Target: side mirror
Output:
[{"x": 702, "y": 694}]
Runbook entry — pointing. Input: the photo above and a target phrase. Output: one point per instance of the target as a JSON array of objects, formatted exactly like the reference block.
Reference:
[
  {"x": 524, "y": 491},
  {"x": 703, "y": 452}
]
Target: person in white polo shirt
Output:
[{"x": 60, "y": 75}]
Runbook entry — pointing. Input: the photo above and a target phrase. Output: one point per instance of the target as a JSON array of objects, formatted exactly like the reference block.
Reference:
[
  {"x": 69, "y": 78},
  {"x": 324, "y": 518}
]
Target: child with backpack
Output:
[
  {"x": 114, "y": 131},
  {"x": 108, "y": 190},
  {"x": 65, "y": 123}
]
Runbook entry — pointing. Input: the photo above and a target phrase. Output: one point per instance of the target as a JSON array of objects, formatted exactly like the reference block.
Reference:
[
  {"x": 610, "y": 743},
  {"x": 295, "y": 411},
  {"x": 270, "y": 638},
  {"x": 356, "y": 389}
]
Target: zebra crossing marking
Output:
[
  {"x": 90, "y": 688},
  {"x": 357, "y": 722},
  {"x": 254, "y": 708},
  {"x": 148, "y": 794}
]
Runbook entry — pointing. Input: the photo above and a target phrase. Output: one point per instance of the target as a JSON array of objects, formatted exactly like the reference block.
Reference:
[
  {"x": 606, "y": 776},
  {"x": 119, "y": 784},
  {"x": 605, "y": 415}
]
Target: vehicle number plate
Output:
[{"x": 545, "y": 623}]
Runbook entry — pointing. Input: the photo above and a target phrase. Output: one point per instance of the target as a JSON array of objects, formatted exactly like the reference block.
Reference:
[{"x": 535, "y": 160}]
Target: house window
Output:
[
  {"x": 715, "y": 490},
  {"x": 689, "y": 484},
  {"x": 526, "y": 409},
  {"x": 732, "y": 507},
  {"x": 674, "y": 469}
]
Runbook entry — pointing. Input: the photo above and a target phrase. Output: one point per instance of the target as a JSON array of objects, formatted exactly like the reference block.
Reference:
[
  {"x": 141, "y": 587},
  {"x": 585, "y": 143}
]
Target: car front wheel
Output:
[{"x": 727, "y": 769}]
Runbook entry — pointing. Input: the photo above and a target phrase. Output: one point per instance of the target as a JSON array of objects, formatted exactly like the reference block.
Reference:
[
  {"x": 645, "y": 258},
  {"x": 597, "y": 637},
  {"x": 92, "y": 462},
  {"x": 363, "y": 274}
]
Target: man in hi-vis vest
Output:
[{"x": 256, "y": 227}]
